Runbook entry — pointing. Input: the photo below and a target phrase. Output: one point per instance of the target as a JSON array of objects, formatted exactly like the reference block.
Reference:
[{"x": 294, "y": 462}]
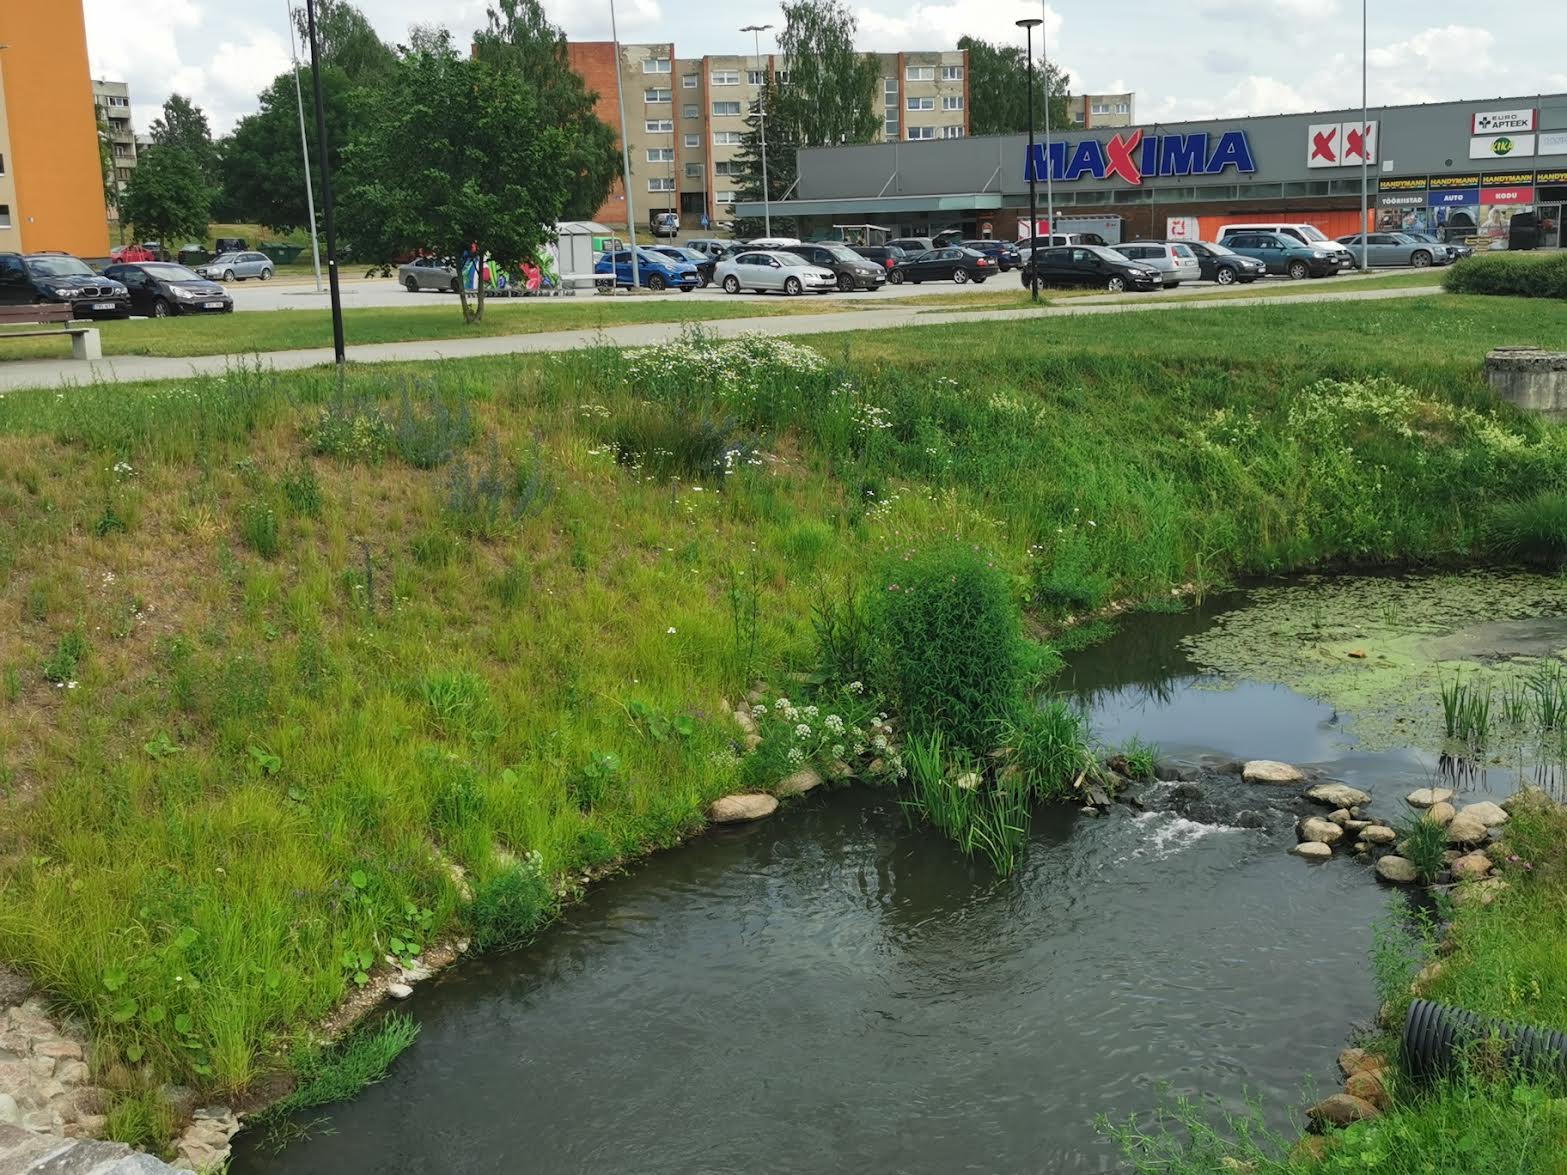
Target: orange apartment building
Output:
[
  {"x": 51, "y": 175},
  {"x": 686, "y": 117}
]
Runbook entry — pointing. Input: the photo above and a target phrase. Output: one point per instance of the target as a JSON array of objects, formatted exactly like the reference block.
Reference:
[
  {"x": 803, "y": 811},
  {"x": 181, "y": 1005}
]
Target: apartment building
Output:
[
  {"x": 1092, "y": 110},
  {"x": 113, "y": 103},
  {"x": 51, "y": 182},
  {"x": 686, "y": 117}
]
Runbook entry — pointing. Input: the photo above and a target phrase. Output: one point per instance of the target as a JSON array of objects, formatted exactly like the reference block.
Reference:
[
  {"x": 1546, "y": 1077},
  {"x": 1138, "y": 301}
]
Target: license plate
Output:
[
  {"x": 103, "y": 305},
  {"x": 212, "y": 305}
]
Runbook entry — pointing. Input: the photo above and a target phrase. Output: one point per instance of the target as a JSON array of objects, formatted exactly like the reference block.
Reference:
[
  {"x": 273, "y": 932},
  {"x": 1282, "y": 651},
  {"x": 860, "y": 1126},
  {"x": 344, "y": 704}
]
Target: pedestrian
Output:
[{"x": 704, "y": 220}]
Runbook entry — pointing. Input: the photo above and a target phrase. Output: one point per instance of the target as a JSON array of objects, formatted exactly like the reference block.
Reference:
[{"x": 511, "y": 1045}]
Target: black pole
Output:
[
  {"x": 326, "y": 188},
  {"x": 1033, "y": 179}
]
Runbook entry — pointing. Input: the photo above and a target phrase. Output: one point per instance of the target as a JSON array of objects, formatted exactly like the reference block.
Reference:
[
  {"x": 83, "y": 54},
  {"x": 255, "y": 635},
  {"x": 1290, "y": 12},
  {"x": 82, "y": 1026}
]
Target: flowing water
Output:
[{"x": 830, "y": 990}]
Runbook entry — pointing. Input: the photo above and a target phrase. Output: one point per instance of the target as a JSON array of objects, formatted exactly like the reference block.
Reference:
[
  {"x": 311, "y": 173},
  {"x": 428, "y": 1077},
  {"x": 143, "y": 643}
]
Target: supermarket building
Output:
[{"x": 1492, "y": 171}]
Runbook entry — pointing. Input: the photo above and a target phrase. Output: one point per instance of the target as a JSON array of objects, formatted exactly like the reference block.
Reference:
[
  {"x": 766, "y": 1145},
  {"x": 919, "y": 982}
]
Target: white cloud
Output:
[{"x": 939, "y": 25}]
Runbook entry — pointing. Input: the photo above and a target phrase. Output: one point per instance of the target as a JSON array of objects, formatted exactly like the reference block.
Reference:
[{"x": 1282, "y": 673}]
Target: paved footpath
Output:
[{"x": 49, "y": 373}]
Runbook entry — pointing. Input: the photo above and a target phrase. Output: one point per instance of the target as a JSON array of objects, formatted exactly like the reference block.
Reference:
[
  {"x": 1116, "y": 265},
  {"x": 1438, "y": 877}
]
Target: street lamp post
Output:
[
  {"x": 1029, "y": 24},
  {"x": 756, "y": 31},
  {"x": 625, "y": 155},
  {"x": 326, "y": 190},
  {"x": 1365, "y": 162},
  {"x": 1044, "y": 65},
  {"x": 304, "y": 146}
]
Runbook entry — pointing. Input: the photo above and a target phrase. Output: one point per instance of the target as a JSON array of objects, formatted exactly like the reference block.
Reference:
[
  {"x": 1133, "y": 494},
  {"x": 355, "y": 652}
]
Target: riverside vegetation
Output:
[{"x": 296, "y": 679}]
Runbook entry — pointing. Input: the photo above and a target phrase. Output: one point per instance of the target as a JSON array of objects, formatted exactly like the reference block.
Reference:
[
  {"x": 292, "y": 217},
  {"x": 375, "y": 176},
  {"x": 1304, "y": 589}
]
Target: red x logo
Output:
[
  {"x": 1322, "y": 146},
  {"x": 1121, "y": 161},
  {"x": 1355, "y": 143}
]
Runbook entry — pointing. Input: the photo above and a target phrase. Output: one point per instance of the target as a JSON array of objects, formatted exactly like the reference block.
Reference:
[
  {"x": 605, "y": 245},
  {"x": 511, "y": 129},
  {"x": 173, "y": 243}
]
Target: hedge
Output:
[{"x": 1524, "y": 275}]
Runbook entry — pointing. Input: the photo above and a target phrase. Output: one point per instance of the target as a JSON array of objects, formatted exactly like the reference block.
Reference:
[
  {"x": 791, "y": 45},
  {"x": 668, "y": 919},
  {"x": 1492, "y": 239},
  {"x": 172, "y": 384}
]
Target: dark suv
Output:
[
  {"x": 853, "y": 271},
  {"x": 27, "y": 279},
  {"x": 1003, "y": 253}
]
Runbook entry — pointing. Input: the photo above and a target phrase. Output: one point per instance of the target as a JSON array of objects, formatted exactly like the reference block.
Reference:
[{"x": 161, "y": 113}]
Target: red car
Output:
[{"x": 132, "y": 254}]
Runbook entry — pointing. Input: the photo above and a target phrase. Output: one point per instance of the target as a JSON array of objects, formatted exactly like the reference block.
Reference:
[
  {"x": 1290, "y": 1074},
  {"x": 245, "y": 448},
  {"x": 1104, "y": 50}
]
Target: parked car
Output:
[
  {"x": 852, "y": 271},
  {"x": 59, "y": 277},
  {"x": 162, "y": 289},
  {"x": 1458, "y": 249},
  {"x": 230, "y": 245},
  {"x": 1088, "y": 265},
  {"x": 712, "y": 246},
  {"x": 665, "y": 224},
  {"x": 886, "y": 256},
  {"x": 131, "y": 254},
  {"x": 1175, "y": 260},
  {"x": 1306, "y": 234},
  {"x": 1215, "y": 263},
  {"x": 428, "y": 273},
  {"x": 656, "y": 271},
  {"x": 1396, "y": 249},
  {"x": 913, "y": 245},
  {"x": 704, "y": 264},
  {"x": 1003, "y": 253},
  {"x": 773, "y": 242},
  {"x": 1286, "y": 254},
  {"x": 762, "y": 270},
  {"x": 954, "y": 263},
  {"x": 236, "y": 267}
]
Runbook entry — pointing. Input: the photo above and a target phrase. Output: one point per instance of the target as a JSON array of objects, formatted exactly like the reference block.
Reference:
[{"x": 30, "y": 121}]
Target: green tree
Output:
[
  {"x": 111, "y": 188},
  {"x": 454, "y": 153},
  {"x": 831, "y": 96},
  {"x": 184, "y": 125},
  {"x": 520, "y": 37},
  {"x": 263, "y": 169},
  {"x": 167, "y": 198},
  {"x": 347, "y": 40},
  {"x": 782, "y": 143},
  {"x": 998, "y": 89}
]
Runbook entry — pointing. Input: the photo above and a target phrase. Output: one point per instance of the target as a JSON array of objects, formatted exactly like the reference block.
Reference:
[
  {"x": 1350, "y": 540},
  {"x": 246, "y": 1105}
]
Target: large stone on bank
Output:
[
  {"x": 1312, "y": 850},
  {"x": 1466, "y": 830},
  {"x": 804, "y": 780},
  {"x": 1378, "y": 834},
  {"x": 1368, "y": 1087},
  {"x": 1320, "y": 830},
  {"x": 1271, "y": 771},
  {"x": 1342, "y": 1109},
  {"x": 1337, "y": 795},
  {"x": 1341, "y": 817},
  {"x": 1471, "y": 867},
  {"x": 1484, "y": 891},
  {"x": 1352, "y": 1061},
  {"x": 1397, "y": 870},
  {"x": 1487, "y": 813},
  {"x": 737, "y": 809},
  {"x": 1356, "y": 827},
  {"x": 1424, "y": 797},
  {"x": 1442, "y": 812}
]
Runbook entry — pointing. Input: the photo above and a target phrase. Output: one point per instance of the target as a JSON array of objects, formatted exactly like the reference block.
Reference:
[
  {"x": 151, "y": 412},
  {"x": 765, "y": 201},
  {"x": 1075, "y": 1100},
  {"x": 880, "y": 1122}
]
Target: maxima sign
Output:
[{"x": 1130, "y": 157}]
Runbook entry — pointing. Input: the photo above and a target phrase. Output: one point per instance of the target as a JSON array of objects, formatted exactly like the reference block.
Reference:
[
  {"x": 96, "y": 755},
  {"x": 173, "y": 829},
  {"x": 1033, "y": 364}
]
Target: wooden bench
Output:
[{"x": 85, "y": 340}]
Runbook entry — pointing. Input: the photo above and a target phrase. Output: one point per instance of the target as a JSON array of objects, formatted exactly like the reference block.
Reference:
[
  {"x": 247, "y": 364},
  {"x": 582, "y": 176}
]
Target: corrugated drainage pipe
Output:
[{"x": 1435, "y": 1035}]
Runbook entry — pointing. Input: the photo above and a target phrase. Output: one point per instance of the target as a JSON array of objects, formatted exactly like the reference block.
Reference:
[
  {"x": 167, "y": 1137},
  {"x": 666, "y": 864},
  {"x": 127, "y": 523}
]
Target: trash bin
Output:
[{"x": 282, "y": 254}]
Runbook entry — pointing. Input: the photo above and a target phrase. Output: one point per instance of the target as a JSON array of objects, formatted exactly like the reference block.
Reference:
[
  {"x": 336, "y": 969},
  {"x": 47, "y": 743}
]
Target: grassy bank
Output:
[{"x": 293, "y": 680}]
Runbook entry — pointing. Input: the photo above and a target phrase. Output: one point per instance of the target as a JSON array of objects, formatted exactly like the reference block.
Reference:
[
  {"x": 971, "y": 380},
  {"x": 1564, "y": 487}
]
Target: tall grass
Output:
[
  {"x": 990, "y": 818},
  {"x": 1531, "y": 530},
  {"x": 1466, "y": 711}
]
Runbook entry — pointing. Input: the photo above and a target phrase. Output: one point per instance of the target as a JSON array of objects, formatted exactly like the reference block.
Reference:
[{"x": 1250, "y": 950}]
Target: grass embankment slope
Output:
[{"x": 272, "y": 661}]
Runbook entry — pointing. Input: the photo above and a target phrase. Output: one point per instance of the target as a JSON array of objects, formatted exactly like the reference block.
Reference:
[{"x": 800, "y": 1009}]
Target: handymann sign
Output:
[{"x": 1131, "y": 157}]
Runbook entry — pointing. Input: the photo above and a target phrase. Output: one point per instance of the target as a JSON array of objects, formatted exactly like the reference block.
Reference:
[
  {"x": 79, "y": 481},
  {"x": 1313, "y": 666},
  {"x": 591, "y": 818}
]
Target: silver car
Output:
[
  {"x": 1175, "y": 262},
  {"x": 427, "y": 273},
  {"x": 762, "y": 270},
  {"x": 1397, "y": 249},
  {"x": 236, "y": 267}
]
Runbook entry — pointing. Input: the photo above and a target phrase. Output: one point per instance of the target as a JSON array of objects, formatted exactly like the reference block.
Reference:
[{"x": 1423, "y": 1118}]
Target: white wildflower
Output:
[{"x": 802, "y": 731}]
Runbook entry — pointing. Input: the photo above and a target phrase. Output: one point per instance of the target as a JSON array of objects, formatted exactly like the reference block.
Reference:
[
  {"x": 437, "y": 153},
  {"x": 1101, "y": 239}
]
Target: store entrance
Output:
[{"x": 1550, "y": 225}]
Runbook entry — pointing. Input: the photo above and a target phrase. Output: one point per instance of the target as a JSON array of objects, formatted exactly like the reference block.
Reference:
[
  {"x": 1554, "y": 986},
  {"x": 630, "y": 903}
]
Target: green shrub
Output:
[
  {"x": 509, "y": 907},
  {"x": 591, "y": 784},
  {"x": 1522, "y": 275},
  {"x": 428, "y": 438},
  {"x": 62, "y": 665},
  {"x": 351, "y": 428},
  {"x": 948, "y": 645},
  {"x": 303, "y": 490},
  {"x": 483, "y": 501},
  {"x": 1065, "y": 589},
  {"x": 843, "y": 636},
  {"x": 258, "y": 528},
  {"x": 1533, "y": 530},
  {"x": 663, "y": 442},
  {"x": 979, "y": 815},
  {"x": 1422, "y": 842},
  {"x": 1045, "y": 746}
]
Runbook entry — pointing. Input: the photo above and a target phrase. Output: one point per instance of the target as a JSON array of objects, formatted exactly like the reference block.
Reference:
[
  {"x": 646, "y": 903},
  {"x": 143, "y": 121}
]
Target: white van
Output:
[
  {"x": 1025, "y": 247},
  {"x": 1306, "y": 234},
  {"x": 773, "y": 242}
]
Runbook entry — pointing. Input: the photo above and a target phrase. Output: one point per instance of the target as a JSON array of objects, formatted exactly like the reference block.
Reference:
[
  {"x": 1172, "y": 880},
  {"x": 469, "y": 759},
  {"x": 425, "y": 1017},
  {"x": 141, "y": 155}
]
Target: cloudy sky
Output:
[{"x": 1192, "y": 59}]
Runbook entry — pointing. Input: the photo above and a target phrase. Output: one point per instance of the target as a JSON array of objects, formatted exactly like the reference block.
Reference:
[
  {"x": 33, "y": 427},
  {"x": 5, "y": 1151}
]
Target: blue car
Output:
[{"x": 656, "y": 270}]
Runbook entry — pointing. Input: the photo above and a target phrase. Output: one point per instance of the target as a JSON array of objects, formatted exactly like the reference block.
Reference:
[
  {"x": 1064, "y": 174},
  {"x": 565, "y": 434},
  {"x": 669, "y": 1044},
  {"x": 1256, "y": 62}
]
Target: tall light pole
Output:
[
  {"x": 1029, "y": 24},
  {"x": 625, "y": 155},
  {"x": 1044, "y": 65},
  {"x": 756, "y": 31},
  {"x": 326, "y": 190},
  {"x": 1365, "y": 161},
  {"x": 304, "y": 147}
]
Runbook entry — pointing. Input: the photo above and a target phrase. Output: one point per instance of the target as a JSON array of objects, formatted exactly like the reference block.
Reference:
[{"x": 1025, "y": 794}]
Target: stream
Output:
[{"x": 831, "y": 990}]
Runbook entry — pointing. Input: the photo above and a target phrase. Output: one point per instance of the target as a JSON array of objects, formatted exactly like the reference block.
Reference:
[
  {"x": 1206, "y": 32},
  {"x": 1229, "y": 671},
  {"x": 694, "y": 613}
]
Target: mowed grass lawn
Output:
[
  {"x": 275, "y": 658},
  {"x": 252, "y": 332}
]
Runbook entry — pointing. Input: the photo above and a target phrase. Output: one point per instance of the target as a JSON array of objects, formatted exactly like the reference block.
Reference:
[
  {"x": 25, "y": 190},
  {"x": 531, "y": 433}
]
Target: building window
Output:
[
  {"x": 889, "y": 129},
  {"x": 755, "y": 77},
  {"x": 921, "y": 103},
  {"x": 724, "y": 197},
  {"x": 726, "y": 77},
  {"x": 952, "y": 102},
  {"x": 688, "y": 81},
  {"x": 1077, "y": 117},
  {"x": 661, "y": 183},
  {"x": 726, "y": 110},
  {"x": 952, "y": 73},
  {"x": 921, "y": 132},
  {"x": 123, "y": 151},
  {"x": 691, "y": 110},
  {"x": 781, "y": 77},
  {"x": 1123, "y": 108},
  {"x": 2, "y": 164},
  {"x": 656, "y": 96},
  {"x": 693, "y": 171},
  {"x": 726, "y": 167},
  {"x": 659, "y": 126},
  {"x": 727, "y": 138},
  {"x": 1101, "y": 108},
  {"x": 951, "y": 132},
  {"x": 889, "y": 86},
  {"x": 123, "y": 174},
  {"x": 660, "y": 154},
  {"x": 693, "y": 140},
  {"x": 920, "y": 73},
  {"x": 655, "y": 65},
  {"x": 114, "y": 101},
  {"x": 5, "y": 216}
]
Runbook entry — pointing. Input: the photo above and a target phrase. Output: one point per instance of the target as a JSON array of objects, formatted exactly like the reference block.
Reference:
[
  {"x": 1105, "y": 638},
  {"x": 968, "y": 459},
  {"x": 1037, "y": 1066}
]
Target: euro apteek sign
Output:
[{"x": 1131, "y": 157}]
